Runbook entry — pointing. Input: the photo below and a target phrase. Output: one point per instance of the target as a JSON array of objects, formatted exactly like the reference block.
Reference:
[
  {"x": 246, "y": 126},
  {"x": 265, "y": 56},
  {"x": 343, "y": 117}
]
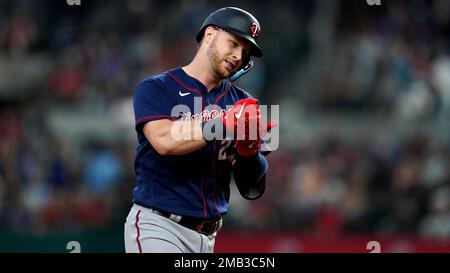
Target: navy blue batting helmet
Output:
[{"x": 236, "y": 21}]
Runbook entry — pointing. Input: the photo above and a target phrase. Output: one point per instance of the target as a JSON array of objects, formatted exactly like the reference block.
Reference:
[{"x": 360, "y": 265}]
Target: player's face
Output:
[{"x": 226, "y": 53}]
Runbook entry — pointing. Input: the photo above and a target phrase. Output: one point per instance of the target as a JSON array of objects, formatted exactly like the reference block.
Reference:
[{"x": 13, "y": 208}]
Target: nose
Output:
[{"x": 238, "y": 53}]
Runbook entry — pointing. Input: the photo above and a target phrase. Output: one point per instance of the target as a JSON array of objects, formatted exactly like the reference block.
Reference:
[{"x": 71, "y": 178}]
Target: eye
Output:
[{"x": 232, "y": 42}]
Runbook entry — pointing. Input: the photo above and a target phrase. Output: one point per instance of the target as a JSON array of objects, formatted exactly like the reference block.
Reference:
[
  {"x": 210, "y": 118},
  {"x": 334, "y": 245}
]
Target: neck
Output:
[{"x": 197, "y": 69}]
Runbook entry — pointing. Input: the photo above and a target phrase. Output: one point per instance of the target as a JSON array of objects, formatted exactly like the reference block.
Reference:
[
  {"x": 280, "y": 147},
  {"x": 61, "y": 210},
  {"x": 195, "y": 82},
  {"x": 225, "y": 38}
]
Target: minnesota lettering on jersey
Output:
[{"x": 211, "y": 120}]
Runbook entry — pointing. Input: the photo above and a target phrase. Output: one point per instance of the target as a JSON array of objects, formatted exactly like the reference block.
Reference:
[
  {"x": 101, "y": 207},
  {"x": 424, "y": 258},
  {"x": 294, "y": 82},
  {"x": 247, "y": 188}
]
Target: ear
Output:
[{"x": 209, "y": 34}]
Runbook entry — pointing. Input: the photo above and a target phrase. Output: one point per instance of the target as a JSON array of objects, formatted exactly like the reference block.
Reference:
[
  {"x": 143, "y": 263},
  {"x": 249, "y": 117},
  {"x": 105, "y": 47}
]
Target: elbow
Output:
[
  {"x": 161, "y": 145},
  {"x": 163, "y": 150}
]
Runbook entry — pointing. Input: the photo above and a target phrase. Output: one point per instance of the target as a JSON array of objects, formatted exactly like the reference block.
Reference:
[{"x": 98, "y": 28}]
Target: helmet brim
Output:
[{"x": 256, "y": 50}]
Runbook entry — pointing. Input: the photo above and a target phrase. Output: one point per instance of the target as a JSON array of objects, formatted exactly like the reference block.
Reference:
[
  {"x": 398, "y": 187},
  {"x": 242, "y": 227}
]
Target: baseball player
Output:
[{"x": 183, "y": 184}]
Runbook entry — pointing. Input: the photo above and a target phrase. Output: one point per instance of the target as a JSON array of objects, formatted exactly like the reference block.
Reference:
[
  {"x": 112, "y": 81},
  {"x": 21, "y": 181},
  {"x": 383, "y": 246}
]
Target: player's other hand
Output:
[
  {"x": 249, "y": 147},
  {"x": 243, "y": 120}
]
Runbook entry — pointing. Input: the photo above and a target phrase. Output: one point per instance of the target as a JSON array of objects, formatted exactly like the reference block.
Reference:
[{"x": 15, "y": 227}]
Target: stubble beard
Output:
[{"x": 216, "y": 63}]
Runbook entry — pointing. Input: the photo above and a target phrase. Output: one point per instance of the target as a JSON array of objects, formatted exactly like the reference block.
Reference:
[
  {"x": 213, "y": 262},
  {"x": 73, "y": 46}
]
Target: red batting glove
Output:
[
  {"x": 240, "y": 119},
  {"x": 249, "y": 148},
  {"x": 237, "y": 112}
]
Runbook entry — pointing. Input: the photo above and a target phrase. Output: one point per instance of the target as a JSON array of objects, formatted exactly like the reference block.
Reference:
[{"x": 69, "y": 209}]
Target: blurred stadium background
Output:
[{"x": 364, "y": 95}]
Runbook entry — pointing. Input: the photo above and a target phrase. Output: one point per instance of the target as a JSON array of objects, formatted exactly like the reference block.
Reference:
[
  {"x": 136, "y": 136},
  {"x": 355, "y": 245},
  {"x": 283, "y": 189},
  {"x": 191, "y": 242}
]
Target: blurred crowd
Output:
[{"x": 66, "y": 122}]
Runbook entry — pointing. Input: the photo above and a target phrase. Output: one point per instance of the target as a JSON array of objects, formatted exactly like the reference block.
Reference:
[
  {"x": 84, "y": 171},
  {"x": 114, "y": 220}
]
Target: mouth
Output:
[{"x": 230, "y": 66}]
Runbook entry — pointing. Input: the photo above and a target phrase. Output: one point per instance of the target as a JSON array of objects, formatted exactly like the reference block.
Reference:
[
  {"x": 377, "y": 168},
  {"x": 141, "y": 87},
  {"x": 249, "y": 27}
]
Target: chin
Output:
[
  {"x": 224, "y": 73},
  {"x": 228, "y": 73}
]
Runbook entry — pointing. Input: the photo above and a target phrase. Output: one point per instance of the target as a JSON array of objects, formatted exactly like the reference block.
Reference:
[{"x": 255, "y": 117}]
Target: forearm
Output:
[
  {"x": 249, "y": 174},
  {"x": 185, "y": 137},
  {"x": 177, "y": 137}
]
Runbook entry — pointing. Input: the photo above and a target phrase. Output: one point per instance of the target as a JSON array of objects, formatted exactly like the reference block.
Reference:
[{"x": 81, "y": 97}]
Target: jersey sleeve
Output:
[
  {"x": 250, "y": 175},
  {"x": 151, "y": 101}
]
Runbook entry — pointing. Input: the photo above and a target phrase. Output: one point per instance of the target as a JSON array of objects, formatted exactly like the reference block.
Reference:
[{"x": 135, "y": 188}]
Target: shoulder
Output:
[
  {"x": 159, "y": 83},
  {"x": 156, "y": 81}
]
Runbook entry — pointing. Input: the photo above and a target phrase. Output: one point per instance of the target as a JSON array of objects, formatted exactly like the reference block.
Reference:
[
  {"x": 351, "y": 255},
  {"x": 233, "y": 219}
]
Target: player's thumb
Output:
[
  {"x": 271, "y": 124},
  {"x": 266, "y": 129}
]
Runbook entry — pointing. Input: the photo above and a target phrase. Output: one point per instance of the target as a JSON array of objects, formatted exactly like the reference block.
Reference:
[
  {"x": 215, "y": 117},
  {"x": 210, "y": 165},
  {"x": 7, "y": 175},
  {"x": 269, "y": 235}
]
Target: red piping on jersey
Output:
[
  {"x": 214, "y": 160},
  {"x": 184, "y": 86},
  {"x": 223, "y": 94},
  {"x": 215, "y": 178},
  {"x": 205, "y": 214},
  {"x": 188, "y": 88},
  {"x": 138, "y": 232},
  {"x": 154, "y": 116}
]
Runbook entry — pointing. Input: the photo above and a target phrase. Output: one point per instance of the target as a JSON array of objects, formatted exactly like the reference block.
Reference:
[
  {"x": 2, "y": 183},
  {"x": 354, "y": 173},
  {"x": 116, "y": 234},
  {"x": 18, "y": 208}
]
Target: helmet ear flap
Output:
[
  {"x": 245, "y": 62},
  {"x": 242, "y": 71}
]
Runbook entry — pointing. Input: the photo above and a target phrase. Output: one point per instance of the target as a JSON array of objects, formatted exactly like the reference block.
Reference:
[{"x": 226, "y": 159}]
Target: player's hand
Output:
[
  {"x": 242, "y": 109},
  {"x": 243, "y": 119},
  {"x": 248, "y": 147}
]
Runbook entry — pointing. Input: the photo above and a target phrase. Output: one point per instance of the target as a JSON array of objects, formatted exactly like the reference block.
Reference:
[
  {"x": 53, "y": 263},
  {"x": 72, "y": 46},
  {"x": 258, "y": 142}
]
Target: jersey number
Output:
[{"x": 223, "y": 155}]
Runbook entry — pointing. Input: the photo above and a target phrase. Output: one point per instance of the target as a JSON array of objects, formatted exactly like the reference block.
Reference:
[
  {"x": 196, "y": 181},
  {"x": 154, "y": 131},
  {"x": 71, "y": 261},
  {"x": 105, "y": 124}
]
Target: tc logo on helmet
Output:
[{"x": 255, "y": 30}]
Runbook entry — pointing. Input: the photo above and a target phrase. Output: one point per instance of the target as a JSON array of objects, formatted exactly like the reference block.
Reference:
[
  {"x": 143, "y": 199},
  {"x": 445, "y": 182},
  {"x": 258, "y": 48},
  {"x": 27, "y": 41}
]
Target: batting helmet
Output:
[{"x": 236, "y": 21}]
